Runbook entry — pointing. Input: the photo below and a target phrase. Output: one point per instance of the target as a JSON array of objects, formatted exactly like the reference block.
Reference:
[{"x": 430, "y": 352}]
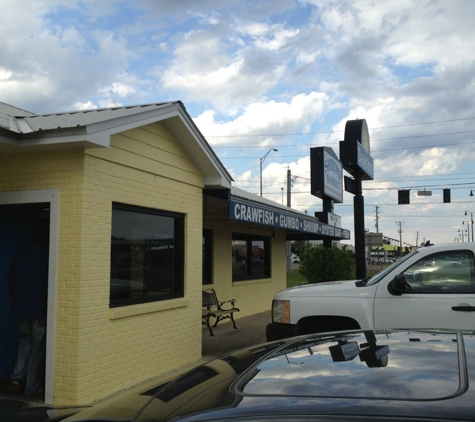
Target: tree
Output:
[
  {"x": 298, "y": 246},
  {"x": 319, "y": 264}
]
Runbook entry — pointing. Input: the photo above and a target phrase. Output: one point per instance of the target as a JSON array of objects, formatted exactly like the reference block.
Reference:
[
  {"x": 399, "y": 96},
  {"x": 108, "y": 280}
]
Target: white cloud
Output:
[
  {"x": 268, "y": 37},
  {"x": 265, "y": 118},
  {"x": 253, "y": 70},
  {"x": 89, "y": 105}
]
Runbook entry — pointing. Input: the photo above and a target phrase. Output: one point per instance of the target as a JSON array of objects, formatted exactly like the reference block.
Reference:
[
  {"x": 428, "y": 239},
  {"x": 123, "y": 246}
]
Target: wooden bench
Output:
[{"x": 212, "y": 307}]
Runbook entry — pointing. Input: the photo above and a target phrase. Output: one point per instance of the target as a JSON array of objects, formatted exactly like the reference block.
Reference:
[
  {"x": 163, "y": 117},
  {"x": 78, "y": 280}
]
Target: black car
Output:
[
  {"x": 392, "y": 375},
  {"x": 352, "y": 375}
]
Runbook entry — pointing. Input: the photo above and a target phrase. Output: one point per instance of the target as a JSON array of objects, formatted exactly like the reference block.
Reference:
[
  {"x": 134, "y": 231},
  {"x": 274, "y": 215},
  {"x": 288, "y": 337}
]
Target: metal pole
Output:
[
  {"x": 289, "y": 204},
  {"x": 261, "y": 161},
  {"x": 260, "y": 172},
  {"x": 358, "y": 205},
  {"x": 289, "y": 188}
]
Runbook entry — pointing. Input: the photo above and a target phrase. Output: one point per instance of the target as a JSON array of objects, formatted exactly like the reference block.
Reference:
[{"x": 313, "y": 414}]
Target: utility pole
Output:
[
  {"x": 289, "y": 188},
  {"x": 289, "y": 204},
  {"x": 400, "y": 223},
  {"x": 377, "y": 219},
  {"x": 417, "y": 238}
]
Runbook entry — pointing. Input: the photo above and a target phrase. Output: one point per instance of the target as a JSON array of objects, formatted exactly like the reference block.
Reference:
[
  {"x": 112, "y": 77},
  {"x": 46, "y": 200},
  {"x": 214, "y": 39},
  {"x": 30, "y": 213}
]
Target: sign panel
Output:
[
  {"x": 334, "y": 220},
  {"x": 326, "y": 173},
  {"x": 250, "y": 212},
  {"x": 328, "y": 218},
  {"x": 355, "y": 150},
  {"x": 374, "y": 239},
  {"x": 357, "y": 131},
  {"x": 365, "y": 161},
  {"x": 424, "y": 193}
]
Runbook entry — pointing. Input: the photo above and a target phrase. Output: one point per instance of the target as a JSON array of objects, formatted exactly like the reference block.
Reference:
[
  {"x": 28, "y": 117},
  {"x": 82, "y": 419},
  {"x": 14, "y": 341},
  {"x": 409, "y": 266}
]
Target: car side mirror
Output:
[{"x": 397, "y": 285}]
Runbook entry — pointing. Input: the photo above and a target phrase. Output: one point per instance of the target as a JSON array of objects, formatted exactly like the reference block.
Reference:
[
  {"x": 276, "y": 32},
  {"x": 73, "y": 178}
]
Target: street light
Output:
[
  {"x": 461, "y": 234},
  {"x": 262, "y": 160},
  {"x": 471, "y": 220}
]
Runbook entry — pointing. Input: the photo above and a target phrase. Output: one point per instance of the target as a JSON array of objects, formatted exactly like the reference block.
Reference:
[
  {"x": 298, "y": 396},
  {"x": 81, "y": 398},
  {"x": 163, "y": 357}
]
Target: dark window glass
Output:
[
  {"x": 444, "y": 272},
  {"x": 250, "y": 257},
  {"x": 207, "y": 256},
  {"x": 146, "y": 255}
]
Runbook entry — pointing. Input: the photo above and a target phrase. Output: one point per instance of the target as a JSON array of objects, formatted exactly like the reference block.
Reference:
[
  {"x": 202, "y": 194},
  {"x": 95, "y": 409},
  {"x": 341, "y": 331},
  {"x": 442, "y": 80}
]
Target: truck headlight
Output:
[{"x": 281, "y": 311}]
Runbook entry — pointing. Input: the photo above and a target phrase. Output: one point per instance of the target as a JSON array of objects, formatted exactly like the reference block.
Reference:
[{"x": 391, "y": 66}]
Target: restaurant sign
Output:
[
  {"x": 326, "y": 174},
  {"x": 249, "y": 212}
]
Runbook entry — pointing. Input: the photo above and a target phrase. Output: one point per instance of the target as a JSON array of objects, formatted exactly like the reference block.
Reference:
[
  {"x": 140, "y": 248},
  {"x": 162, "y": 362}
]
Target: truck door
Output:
[{"x": 439, "y": 293}]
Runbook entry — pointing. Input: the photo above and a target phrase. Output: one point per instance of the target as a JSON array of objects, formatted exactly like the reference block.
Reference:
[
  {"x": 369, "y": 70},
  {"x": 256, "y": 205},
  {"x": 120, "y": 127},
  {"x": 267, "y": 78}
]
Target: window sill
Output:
[{"x": 147, "y": 308}]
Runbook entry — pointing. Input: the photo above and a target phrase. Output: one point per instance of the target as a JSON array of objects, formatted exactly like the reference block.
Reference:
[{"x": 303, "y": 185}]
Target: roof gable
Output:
[{"x": 24, "y": 131}]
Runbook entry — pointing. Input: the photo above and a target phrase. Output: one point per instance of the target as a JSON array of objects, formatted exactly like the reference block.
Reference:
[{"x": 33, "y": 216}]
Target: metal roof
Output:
[
  {"x": 22, "y": 131},
  {"x": 26, "y": 122},
  {"x": 7, "y": 113}
]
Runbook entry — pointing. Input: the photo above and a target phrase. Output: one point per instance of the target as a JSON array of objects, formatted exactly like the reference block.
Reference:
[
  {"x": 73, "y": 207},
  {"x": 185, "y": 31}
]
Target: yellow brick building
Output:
[{"x": 141, "y": 215}]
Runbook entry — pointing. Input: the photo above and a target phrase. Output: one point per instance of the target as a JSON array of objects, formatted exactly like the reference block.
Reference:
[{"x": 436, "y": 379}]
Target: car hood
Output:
[
  {"x": 329, "y": 288},
  {"x": 384, "y": 372}
]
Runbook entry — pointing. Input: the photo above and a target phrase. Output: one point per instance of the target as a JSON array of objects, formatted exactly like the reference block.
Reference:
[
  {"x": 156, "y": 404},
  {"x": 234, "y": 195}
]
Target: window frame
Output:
[{"x": 178, "y": 282}]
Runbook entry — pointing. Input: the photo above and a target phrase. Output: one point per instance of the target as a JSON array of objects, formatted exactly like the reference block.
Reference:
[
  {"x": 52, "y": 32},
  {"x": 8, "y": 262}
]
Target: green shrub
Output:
[{"x": 319, "y": 264}]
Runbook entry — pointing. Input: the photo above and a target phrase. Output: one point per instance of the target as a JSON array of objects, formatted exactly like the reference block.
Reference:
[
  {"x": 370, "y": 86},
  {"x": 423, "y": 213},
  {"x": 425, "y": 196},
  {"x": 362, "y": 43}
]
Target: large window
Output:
[
  {"x": 251, "y": 257},
  {"x": 207, "y": 256},
  {"x": 147, "y": 255}
]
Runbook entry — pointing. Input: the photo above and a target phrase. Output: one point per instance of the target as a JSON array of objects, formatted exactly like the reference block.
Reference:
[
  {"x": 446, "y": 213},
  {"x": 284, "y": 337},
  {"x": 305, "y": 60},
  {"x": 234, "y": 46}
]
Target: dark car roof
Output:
[
  {"x": 412, "y": 366},
  {"x": 382, "y": 374}
]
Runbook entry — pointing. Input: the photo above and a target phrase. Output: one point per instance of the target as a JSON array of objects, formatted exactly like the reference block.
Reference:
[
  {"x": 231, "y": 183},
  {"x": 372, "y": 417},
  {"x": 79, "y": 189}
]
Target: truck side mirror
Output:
[{"x": 397, "y": 285}]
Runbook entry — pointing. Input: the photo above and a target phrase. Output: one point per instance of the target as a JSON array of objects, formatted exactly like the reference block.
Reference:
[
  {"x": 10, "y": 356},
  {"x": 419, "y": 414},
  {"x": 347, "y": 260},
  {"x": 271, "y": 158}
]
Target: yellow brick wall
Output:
[
  {"x": 251, "y": 296},
  {"x": 99, "y": 350},
  {"x": 63, "y": 171}
]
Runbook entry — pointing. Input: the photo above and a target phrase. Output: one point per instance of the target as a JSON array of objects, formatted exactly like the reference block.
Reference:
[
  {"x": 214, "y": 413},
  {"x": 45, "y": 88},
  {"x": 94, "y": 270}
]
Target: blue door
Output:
[{"x": 18, "y": 225}]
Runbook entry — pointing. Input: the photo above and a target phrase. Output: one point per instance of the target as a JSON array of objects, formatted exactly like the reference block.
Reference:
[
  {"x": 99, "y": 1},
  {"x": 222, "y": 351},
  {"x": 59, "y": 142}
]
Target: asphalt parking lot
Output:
[{"x": 251, "y": 330}]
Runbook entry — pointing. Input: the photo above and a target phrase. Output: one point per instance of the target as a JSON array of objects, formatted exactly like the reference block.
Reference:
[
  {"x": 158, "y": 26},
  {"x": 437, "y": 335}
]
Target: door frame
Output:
[{"x": 52, "y": 197}]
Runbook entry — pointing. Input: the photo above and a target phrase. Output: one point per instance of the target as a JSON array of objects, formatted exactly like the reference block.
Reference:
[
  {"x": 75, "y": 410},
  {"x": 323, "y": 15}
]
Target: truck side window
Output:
[{"x": 445, "y": 272}]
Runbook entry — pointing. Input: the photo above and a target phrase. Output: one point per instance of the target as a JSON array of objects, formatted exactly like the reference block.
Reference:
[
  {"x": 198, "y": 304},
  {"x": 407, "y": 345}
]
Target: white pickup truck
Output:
[{"x": 432, "y": 287}]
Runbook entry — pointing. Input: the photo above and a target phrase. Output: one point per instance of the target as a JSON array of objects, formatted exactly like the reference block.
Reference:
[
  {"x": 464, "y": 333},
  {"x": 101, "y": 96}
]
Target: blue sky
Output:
[{"x": 284, "y": 74}]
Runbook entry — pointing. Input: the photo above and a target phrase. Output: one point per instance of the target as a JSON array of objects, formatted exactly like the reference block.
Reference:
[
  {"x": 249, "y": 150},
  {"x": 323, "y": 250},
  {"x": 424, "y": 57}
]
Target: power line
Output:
[
  {"x": 392, "y": 188},
  {"x": 336, "y": 131},
  {"x": 372, "y": 151},
  {"x": 372, "y": 140}
]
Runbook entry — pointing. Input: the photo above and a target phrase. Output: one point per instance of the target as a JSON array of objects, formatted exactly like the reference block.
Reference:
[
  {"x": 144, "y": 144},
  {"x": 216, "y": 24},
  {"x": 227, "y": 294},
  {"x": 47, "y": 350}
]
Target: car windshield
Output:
[{"x": 378, "y": 277}]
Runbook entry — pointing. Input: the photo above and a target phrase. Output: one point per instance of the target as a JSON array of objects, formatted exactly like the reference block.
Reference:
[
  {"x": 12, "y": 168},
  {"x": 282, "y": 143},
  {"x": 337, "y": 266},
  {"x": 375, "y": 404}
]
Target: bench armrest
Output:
[{"x": 231, "y": 302}]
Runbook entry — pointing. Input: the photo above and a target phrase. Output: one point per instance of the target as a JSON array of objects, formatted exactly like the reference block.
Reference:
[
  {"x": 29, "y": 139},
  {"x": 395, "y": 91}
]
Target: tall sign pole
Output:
[
  {"x": 356, "y": 159},
  {"x": 326, "y": 176}
]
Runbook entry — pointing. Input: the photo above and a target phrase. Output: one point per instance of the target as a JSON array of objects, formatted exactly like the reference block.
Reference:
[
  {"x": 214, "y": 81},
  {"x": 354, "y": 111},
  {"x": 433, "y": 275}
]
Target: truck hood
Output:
[{"x": 320, "y": 289}]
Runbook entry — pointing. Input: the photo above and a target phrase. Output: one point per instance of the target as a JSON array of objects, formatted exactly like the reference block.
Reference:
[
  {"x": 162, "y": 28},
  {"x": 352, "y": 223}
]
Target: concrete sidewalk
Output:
[{"x": 251, "y": 330}]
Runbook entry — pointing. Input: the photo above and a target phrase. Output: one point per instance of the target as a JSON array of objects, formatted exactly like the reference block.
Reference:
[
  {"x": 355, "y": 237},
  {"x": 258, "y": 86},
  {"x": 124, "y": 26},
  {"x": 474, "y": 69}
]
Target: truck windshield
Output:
[{"x": 378, "y": 277}]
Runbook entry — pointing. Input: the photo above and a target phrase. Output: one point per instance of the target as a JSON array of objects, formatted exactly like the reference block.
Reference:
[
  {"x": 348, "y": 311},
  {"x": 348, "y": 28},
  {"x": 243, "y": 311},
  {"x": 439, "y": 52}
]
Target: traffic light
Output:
[
  {"x": 403, "y": 196},
  {"x": 446, "y": 196}
]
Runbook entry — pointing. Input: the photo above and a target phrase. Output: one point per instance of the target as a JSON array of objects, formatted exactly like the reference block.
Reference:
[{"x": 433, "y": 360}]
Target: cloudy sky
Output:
[{"x": 284, "y": 74}]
